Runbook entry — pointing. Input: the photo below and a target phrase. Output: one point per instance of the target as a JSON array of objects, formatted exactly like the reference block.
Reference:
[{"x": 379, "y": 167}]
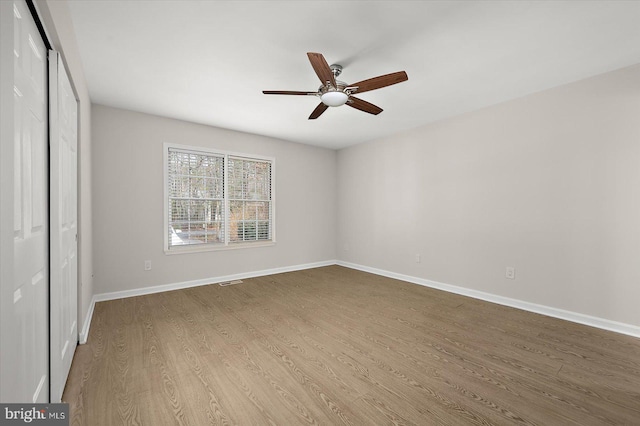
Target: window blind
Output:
[
  {"x": 249, "y": 199},
  {"x": 216, "y": 199}
]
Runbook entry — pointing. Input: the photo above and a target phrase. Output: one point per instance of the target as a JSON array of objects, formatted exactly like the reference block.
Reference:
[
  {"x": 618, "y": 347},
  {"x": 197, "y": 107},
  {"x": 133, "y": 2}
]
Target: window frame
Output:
[{"x": 226, "y": 245}]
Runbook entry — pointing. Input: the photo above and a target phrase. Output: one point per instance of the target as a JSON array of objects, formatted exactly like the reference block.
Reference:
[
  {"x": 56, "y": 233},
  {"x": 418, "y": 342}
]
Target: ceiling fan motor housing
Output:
[{"x": 334, "y": 96}]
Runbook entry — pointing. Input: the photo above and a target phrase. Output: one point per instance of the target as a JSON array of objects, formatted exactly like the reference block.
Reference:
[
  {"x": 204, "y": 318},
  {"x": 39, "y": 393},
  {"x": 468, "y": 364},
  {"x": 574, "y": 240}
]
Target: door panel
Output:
[
  {"x": 25, "y": 327},
  {"x": 64, "y": 224}
]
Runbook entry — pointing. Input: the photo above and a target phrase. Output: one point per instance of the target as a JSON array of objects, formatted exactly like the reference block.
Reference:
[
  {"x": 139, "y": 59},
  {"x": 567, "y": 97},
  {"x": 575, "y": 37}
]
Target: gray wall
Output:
[
  {"x": 549, "y": 184},
  {"x": 128, "y": 202}
]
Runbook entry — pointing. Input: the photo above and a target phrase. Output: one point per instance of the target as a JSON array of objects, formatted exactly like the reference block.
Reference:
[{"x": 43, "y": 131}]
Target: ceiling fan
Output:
[{"x": 333, "y": 92}]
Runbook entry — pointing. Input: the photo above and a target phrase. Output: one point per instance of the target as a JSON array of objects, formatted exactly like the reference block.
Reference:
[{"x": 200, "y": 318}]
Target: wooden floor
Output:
[{"x": 338, "y": 346}]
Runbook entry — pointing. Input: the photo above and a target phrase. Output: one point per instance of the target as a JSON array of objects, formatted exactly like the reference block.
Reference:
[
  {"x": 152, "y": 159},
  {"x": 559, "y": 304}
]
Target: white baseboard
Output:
[
  {"x": 618, "y": 327},
  {"x": 204, "y": 281},
  {"x": 84, "y": 332}
]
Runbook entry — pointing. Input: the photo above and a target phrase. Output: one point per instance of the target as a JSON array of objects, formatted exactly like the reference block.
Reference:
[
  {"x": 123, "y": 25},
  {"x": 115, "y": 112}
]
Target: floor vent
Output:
[{"x": 226, "y": 283}]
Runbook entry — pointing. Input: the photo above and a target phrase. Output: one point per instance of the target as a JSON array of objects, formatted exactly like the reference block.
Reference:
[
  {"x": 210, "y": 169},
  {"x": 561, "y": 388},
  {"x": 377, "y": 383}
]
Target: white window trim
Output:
[{"x": 210, "y": 247}]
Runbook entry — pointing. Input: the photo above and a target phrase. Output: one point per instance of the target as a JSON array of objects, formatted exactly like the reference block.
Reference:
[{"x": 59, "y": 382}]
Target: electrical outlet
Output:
[
  {"x": 346, "y": 246},
  {"x": 417, "y": 257},
  {"x": 510, "y": 273},
  {"x": 147, "y": 265}
]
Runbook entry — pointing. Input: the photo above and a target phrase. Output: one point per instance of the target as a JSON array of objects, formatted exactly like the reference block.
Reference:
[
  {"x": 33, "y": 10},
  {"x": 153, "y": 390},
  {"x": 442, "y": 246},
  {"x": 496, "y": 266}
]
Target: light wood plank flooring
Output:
[{"x": 337, "y": 346}]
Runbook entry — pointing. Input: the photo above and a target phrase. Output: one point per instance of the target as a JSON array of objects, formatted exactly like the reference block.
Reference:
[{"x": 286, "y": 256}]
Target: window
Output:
[{"x": 216, "y": 200}]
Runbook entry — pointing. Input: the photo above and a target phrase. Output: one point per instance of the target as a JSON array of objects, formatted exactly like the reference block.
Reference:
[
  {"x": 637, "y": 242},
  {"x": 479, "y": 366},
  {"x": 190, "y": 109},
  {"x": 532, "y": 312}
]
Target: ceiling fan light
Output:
[{"x": 334, "y": 99}]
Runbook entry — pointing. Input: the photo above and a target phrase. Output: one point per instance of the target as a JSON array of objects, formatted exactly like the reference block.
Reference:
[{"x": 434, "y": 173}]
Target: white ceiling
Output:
[{"x": 208, "y": 61}]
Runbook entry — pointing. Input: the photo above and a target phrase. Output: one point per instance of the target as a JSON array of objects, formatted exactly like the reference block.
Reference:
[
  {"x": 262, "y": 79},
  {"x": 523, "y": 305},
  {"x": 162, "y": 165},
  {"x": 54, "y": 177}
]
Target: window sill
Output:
[{"x": 199, "y": 248}]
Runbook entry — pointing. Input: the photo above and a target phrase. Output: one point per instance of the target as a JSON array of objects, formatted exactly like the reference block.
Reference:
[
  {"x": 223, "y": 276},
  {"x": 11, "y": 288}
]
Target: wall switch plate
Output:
[
  {"x": 147, "y": 265},
  {"x": 510, "y": 273},
  {"x": 418, "y": 258}
]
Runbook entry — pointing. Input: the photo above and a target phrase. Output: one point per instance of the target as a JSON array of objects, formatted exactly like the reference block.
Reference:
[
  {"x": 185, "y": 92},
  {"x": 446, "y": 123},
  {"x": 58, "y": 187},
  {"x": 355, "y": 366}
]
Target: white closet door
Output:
[
  {"x": 64, "y": 224},
  {"x": 24, "y": 218}
]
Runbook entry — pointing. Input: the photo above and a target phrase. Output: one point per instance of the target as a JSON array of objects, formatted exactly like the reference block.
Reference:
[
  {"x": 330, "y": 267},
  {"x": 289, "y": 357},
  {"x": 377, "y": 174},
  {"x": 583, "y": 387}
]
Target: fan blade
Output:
[
  {"x": 287, "y": 92},
  {"x": 318, "y": 111},
  {"x": 365, "y": 106},
  {"x": 321, "y": 67},
  {"x": 379, "y": 82}
]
